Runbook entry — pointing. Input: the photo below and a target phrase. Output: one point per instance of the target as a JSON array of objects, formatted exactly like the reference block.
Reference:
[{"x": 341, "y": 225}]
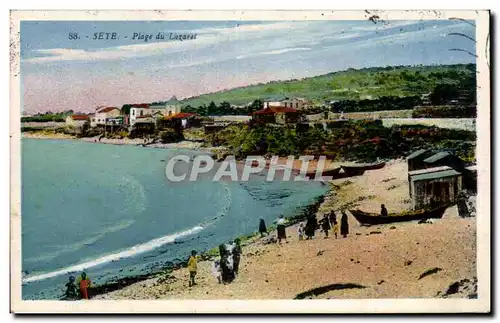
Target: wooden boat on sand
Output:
[
  {"x": 334, "y": 173},
  {"x": 361, "y": 168},
  {"x": 366, "y": 218}
]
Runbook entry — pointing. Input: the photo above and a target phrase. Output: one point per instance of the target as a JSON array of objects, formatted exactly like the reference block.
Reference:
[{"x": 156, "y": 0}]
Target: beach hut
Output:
[
  {"x": 416, "y": 159},
  {"x": 440, "y": 184},
  {"x": 444, "y": 158}
]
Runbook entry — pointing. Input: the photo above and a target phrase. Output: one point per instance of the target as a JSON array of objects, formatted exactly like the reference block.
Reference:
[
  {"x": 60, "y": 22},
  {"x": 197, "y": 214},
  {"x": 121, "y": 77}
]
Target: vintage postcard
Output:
[{"x": 250, "y": 161}]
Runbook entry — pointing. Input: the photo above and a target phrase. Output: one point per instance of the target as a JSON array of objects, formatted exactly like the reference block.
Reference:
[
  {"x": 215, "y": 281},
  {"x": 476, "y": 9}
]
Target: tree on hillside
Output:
[
  {"x": 189, "y": 108},
  {"x": 125, "y": 110},
  {"x": 225, "y": 108},
  {"x": 255, "y": 106},
  {"x": 212, "y": 108}
]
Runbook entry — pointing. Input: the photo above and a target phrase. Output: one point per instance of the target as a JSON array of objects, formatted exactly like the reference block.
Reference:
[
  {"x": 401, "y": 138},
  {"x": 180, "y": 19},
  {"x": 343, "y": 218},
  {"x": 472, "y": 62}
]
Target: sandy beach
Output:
[{"x": 400, "y": 260}]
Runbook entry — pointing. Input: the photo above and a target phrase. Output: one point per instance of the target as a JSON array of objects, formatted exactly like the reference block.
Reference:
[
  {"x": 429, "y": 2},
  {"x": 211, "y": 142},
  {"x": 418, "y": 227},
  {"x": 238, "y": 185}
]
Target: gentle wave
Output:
[
  {"x": 74, "y": 247},
  {"x": 133, "y": 251}
]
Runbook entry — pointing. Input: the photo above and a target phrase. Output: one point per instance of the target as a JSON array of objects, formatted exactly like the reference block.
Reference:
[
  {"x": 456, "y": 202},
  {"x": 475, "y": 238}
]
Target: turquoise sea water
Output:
[{"x": 110, "y": 210}]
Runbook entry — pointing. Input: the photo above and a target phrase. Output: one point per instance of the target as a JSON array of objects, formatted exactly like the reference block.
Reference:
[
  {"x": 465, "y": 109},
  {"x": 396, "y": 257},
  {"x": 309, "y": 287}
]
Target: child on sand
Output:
[
  {"x": 71, "y": 292},
  {"x": 336, "y": 228},
  {"x": 192, "y": 266},
  {"x": 216, "y": 270},
  {"x": 300, "y": 231}
]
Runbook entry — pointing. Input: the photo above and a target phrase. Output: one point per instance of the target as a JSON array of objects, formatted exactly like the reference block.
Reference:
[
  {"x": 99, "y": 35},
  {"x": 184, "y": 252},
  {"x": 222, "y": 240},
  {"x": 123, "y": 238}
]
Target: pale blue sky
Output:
[{"x": 59, "y": 73}]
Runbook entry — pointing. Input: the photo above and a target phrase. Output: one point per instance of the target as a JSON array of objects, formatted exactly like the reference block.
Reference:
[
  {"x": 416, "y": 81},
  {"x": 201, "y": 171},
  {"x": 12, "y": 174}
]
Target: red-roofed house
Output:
[
  {"x": 78, "y": 121},
  {"x": 179, "y": 120},
  {"x": 104, "y": 113}
]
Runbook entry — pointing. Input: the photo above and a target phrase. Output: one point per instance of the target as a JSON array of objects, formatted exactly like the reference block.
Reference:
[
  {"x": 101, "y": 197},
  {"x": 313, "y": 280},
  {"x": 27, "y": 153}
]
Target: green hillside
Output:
[{"x": 352, "y": 84}]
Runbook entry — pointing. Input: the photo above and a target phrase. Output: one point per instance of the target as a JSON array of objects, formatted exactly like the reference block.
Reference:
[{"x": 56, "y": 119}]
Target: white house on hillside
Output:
[
  {"x": 295, "y": 103},
  {"x": 172, "y": 110},
  {"x": 104, "y": 113},
  {"x": 155, "y": 111}
]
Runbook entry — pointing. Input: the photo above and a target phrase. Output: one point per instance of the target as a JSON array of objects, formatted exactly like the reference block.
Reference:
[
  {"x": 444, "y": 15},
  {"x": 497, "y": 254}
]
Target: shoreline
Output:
[
  {"x": 208, "y": 255},
  {"x": 447, "y": 244},
  {"x": 185, "y": 144}
]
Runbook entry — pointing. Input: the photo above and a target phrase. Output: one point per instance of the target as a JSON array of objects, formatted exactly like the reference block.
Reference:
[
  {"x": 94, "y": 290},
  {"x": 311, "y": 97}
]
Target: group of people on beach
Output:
[
  {"x": 225, "y": 268},
  {"x": 307, "y": 232},
  {"x": 327, "y": 223},
  {"x": 82, "y": 292}
]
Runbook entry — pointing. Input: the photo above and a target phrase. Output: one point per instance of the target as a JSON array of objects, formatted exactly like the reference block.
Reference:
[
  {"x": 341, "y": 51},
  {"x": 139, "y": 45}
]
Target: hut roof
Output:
[
  {"x": 472, "y": 168},
  {"x": 435, "y": 175},
  {"x": 438, "y": 156},
  {"x": 417, "y": 153},
  {"x": 429, "y": 170}
]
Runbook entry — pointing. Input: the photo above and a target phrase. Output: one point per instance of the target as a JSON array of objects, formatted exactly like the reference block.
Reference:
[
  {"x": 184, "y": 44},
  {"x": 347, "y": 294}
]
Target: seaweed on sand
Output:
[
  {"x": 429, "y": 272},
  {"x": 324, "y": 289}
]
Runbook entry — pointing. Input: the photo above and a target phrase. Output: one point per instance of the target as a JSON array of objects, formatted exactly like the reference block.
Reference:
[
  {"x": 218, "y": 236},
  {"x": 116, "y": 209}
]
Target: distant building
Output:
[
  {"x": 438, "y": 185},
  {"x": 171, "y": 110},
  {"x": 79, "y": 122},
  {"x": 295, "y": 103},
  {"x": 105, "y": 113},
  {"x": 278, "y": 115},
  {"x": 182, "y": 120},
  {"x": 143, "y": 125},
  {"x": 154, "y": 111},
  {"x": 92, "y": 120}
]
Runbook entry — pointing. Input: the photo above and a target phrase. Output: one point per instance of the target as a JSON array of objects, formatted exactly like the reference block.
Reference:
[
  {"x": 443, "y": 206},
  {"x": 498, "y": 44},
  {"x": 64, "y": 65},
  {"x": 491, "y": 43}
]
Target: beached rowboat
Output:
[
  {"x": 375, "y": 218},
  {"x": 334, "y": 173},
  {"x": 361, "y": 168}
]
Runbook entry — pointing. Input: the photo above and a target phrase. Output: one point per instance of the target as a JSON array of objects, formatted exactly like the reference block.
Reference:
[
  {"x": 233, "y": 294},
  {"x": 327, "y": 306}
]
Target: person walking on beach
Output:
[
  {"x": 193, "y": 267},
  {"x": 383, "y": 211},
  {"x": 300, "y": 231},
  {"x": 262, "y": 228},
  {"x": 84, "y": 284},
  {"x": 325, "y": 225},
  {"x": 311, "y": 226},
  {"x": 237, "y": 255},
  {"x": 335, "y": 227},
  {"x": 333, "y": 217},
  {"x": 225, "y": 270},
  {"x": 71, "y": 292},
  {"x": 281, "y": 229},
  {"x": 344, "y": 225}
]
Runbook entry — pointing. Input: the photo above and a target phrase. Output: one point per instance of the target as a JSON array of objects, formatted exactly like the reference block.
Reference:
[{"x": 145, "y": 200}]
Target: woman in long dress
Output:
[
  {"x": 223, "y": 263},
  {"x": 237, "y": 255},
  {"x": 344, "y": 225},
  {"x": 281, "y": 229},
  {"x": 262, "y": 228},
  {"x": 310, "y": 227}
]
